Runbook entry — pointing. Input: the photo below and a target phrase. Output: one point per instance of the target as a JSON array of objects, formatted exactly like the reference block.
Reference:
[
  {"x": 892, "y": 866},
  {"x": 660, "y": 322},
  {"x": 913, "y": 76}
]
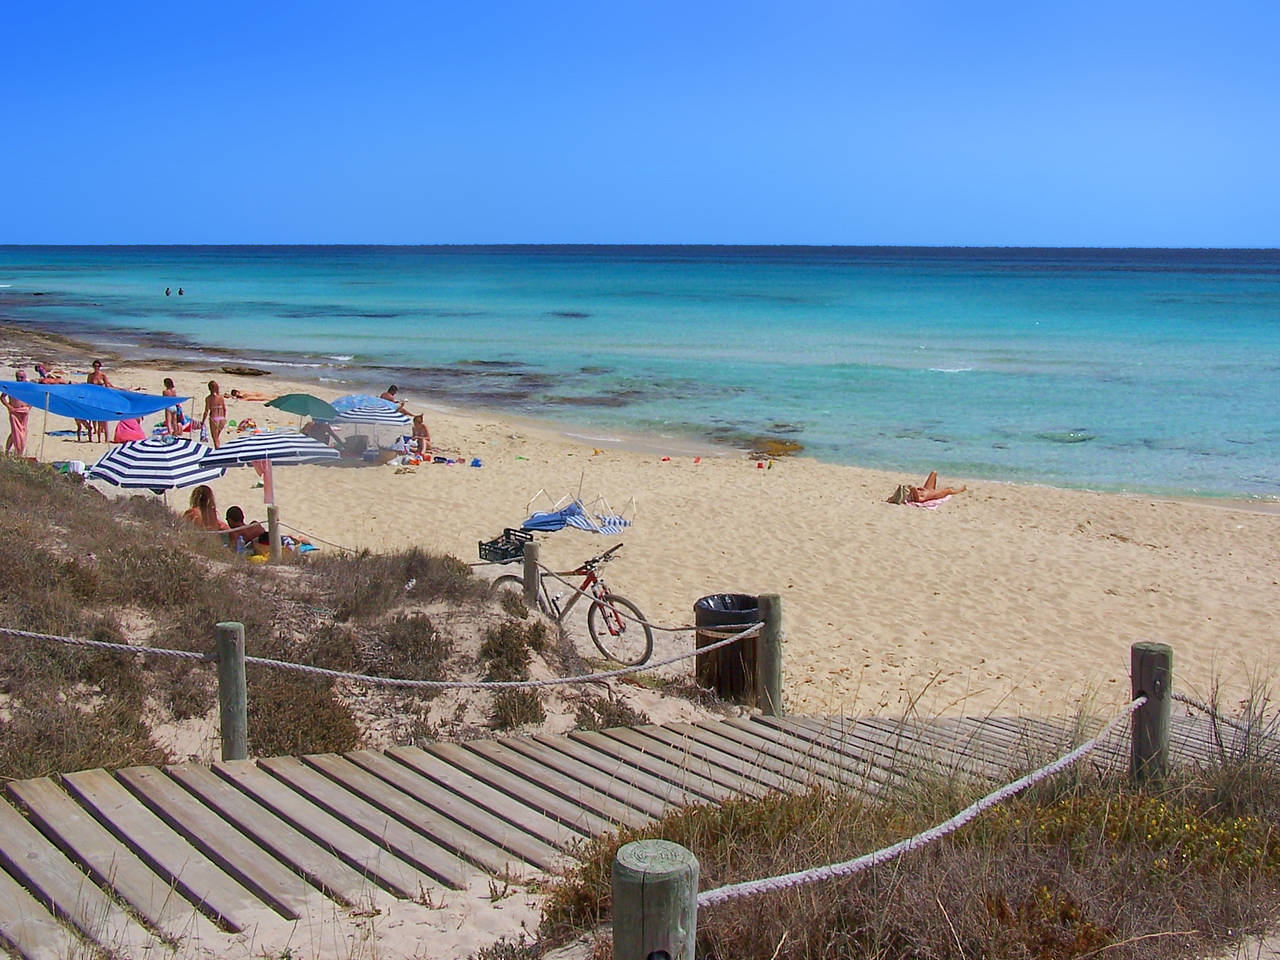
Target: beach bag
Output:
[{"x": 901, "y": 495}]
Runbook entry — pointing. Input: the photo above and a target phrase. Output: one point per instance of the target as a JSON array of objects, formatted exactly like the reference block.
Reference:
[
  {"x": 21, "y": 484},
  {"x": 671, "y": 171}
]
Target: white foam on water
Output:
[{"x": 950, "y": 369}]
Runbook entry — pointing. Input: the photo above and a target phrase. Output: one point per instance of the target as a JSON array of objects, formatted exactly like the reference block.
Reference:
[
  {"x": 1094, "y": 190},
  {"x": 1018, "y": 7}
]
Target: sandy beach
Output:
[{"x": 1006, "y": 598}]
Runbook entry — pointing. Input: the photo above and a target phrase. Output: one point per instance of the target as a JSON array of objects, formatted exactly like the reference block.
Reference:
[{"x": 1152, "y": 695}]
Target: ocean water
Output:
[{"x": 1142, "y": 370}]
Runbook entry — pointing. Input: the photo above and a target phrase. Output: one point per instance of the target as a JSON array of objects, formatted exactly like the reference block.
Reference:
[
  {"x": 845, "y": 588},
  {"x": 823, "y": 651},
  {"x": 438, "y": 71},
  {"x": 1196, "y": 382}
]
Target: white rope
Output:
[
  {"x": 103, "y": 644},
  {"x": 313, "y": 537},
  {"x": 391, "y": 681},
  {"x": 1205, "y": 708},
  {"x": 751, "y": 887}
]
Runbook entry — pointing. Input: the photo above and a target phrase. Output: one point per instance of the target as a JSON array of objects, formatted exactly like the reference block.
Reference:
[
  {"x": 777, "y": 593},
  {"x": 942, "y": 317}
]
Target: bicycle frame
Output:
[{"x": 591, "y": 584}]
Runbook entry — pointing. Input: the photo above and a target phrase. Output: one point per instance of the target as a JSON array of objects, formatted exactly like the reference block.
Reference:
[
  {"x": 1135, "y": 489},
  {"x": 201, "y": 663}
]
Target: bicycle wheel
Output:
[
  {"x": 626, "y": 641},
  {"x": 511, "y": 582}
]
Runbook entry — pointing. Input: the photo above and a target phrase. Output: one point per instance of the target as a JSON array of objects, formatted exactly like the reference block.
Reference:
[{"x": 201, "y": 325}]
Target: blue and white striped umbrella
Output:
[
  {"x": 156, "y": 464},
  {"x": 353, "y": 400},
  {"x": 389, "y": 416},
  {"x": 277, "y": 447}
]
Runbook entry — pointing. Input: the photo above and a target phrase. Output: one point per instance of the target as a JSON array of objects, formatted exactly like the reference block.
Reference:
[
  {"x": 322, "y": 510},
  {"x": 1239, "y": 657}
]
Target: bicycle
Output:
[{"x": 626, "y": 641}]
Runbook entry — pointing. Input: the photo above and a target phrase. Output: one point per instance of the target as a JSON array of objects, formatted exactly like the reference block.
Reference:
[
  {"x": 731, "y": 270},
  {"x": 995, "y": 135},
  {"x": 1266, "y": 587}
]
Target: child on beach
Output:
[{"x": 171, "y": 414}]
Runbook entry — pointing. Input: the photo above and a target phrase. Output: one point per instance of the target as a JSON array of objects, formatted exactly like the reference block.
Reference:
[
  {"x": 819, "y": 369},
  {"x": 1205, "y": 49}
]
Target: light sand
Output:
[{"x": 1008, "y": 598}]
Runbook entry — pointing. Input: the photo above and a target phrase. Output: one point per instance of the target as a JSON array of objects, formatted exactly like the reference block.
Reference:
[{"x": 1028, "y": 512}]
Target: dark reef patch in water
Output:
[
  {"x": 568, "y": 314},
  {"x": 1066, "y": 436}
]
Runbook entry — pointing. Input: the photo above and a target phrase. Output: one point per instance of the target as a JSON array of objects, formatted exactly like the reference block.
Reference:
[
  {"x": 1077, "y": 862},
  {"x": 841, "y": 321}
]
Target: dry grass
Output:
[{"x": 1080, "y": 867}]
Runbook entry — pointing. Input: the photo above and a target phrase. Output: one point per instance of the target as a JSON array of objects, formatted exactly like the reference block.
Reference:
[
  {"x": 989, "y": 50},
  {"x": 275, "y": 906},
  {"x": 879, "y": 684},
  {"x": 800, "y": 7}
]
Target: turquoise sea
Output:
[{"x": 1144, "y": 370}]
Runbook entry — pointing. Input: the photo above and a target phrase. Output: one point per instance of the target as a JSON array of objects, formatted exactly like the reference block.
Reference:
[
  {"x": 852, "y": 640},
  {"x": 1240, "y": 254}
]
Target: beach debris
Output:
[{"x": 772, "y": 447}]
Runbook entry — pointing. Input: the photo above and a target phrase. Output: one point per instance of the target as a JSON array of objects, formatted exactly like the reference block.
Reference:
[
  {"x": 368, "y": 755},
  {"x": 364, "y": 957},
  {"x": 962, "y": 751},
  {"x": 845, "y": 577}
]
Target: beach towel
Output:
[{"x": 928, "y": 505}]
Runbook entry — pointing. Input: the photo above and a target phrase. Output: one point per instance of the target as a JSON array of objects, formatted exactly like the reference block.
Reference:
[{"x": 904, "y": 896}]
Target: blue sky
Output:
[{"x": 1088, "y": 123}]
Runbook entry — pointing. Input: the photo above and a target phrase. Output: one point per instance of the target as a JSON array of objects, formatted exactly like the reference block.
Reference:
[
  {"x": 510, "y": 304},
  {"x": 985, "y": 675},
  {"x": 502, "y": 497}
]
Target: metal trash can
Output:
[{"x": 731, "y": 670}]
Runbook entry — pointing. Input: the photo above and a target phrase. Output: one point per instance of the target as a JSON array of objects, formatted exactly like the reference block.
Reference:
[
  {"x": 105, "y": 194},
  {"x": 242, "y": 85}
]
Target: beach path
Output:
[{"x": 392, "y": 848}]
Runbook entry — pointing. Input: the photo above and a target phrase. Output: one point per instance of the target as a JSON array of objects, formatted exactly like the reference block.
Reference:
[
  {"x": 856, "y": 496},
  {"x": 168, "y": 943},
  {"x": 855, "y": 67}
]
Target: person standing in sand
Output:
[
  {"x": 215, "y": 413},
  {"x": 98, "y": 379},
  {"x": 170, "y": 413},
  {"x": 18, "y": 413}
]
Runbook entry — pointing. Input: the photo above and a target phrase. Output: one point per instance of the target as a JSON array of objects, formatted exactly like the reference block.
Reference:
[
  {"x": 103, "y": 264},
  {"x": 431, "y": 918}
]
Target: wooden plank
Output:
[
  {"x": 610, "y": 779},
  {"x": 698, "y": 789},
  {"x": 589, "y": 790},
  {"x": 29, "y": 928},
  {"x": 827, "y": 733},
  {"x": 409, "y": 845},
  {"x": 870, "y": 742},
  {"x": 831, "y": 765},
  {"x": 509, "y": 836},
  {"x": 445, "y": 833},
  {"x": 738, "y": 763},
  {"x": 856, "y": 770},
  {"x": 353, "y": 848},
  {"x": 808, "y": 772},
  {"x": 288, "y": 893},
  {"x": 190, "y": 871},
  {"x": 43, "y": 869},
  {"x": 643, "y": 773},
  {"x": 314, "y": 863},
  {"x": 681, "y": 760},
  {"x": 560, "y": 834},
  {"x": 109, "y": 862},
  {"x": 520, "y": 789}
]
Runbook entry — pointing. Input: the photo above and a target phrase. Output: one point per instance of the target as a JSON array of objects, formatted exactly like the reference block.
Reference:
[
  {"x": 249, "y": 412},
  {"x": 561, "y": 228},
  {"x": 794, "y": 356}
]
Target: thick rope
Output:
[
  {"x": 1205, "y": 708},
  {"x": 752, "y": 887},
  {"x": 104, "y": 645},
  {"x": 391, "y": 681}
]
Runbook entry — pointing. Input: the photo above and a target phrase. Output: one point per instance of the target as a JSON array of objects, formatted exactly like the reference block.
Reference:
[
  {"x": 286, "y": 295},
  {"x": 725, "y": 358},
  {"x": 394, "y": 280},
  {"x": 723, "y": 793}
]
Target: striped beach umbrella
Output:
[
  {"x": 276, "y": 447},
  {"x": 352, "y": 400},
  {"x": 370, "y": 414},
  {"x": 156, "y": 464},
  {"x": 262, "y": 450}
]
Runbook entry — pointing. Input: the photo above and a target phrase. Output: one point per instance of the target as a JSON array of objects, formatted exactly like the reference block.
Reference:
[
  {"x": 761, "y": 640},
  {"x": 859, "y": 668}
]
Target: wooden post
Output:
[
  {"x": 273, "y": 531},
  {"x": 769, "y": 656},
  {"x": 531, "y": 575},
  {"x": 233, "y": 699},
  {"x": 655, "y": 901},
  {"x": 1151, "y": 673}
]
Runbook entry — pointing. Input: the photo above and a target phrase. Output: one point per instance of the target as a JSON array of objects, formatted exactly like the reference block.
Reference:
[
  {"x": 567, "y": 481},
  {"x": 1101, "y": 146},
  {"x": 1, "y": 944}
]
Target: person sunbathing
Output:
[
  {"x": 251, "y": 395},
  {"x": 923, "y": 494},
  {"x": 50, "y": 376}
]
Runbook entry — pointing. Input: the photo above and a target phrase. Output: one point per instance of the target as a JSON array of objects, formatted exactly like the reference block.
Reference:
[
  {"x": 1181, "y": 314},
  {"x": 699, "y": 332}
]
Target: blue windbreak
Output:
[{"x": 86, "y": 401}]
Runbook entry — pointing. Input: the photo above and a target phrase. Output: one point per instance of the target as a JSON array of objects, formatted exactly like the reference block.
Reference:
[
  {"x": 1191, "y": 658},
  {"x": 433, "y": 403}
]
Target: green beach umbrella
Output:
[{"x": 304, "y": 405}]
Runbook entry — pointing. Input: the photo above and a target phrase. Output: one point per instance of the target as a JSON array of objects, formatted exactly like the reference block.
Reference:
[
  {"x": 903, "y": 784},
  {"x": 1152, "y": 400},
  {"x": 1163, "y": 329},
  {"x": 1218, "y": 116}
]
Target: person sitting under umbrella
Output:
[
  {"x": 319, "y": 430},
  {"x": 242, "y": 532},
  {"x": 203, "y": 513}
]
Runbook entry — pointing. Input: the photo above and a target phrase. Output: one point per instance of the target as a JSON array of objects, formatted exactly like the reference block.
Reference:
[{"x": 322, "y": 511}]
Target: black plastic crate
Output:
[{"x": 506, "y": 548}]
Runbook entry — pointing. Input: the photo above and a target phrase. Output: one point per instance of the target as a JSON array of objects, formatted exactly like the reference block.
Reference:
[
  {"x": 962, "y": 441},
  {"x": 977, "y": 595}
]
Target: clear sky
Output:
[{"x": 1027, "y": 123}]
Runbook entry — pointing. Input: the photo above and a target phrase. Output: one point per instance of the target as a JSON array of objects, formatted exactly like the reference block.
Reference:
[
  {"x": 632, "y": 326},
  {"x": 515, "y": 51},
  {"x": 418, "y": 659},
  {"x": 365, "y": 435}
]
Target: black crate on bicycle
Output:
[{"x": 506, "y": 548}]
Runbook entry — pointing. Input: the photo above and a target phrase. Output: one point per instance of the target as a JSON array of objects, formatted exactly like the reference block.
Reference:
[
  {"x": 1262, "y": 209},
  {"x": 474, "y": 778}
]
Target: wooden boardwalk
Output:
[{"x": 199, "y": 858}]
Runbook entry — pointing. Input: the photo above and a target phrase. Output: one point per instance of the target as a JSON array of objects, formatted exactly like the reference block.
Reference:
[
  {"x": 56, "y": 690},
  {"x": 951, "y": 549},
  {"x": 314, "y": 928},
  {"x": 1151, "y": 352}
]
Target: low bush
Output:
[
  {"x": 293, "y": 715},
  {"x": 515, "y": 708}
]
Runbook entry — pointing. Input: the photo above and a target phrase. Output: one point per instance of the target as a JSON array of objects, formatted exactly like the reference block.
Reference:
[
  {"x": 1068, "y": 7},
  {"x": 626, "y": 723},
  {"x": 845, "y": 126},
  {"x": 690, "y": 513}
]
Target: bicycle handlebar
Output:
[{"x": 595, "y": 561}]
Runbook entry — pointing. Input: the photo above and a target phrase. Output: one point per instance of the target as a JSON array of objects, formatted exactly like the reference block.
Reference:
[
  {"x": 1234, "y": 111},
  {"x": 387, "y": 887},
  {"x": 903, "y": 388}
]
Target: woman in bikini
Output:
[
  {"x": 215, "y": 412},
  {"x": 170, "y": 413},
  {"x": 204, "y": 510}
]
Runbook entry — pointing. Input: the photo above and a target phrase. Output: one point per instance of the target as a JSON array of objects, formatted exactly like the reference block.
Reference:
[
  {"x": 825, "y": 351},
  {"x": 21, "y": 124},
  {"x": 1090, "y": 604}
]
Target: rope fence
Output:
[
  {"x": 726, "y": 638},
  {"x": 832, "y": 871},
  {"x": 1206, "y": 709}
]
